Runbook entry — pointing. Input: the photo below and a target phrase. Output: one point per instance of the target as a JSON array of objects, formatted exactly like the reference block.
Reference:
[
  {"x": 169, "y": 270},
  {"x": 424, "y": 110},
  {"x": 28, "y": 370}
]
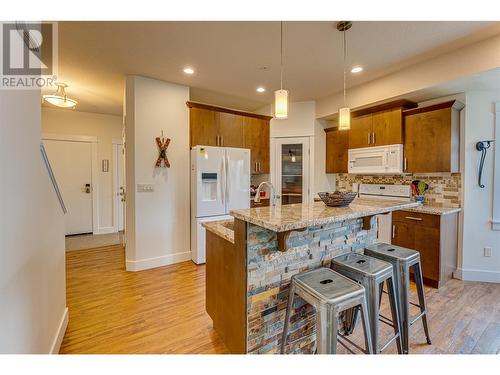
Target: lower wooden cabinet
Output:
[{"x": 434, "y": 236}]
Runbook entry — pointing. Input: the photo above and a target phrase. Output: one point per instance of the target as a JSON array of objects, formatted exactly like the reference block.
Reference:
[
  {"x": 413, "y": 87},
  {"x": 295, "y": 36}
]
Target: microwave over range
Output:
[{"x": 376, "y": 160}]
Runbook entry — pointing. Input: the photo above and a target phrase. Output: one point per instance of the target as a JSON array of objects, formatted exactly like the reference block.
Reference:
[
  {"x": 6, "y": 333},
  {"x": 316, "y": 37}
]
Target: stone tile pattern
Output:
[
  {"x": 269, "y": 274},
  {"x": 445, "y": 189}
]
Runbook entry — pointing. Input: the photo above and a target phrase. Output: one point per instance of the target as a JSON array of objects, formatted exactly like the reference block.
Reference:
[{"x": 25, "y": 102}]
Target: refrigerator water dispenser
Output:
[{"x": 209, "y": 186}]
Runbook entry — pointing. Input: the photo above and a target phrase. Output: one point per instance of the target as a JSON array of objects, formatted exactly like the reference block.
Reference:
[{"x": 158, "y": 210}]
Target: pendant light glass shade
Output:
[
  {"x": 344, "y": 119},
  {"x": 281, "y": 104},
  {"x": 59, "y": 98}
]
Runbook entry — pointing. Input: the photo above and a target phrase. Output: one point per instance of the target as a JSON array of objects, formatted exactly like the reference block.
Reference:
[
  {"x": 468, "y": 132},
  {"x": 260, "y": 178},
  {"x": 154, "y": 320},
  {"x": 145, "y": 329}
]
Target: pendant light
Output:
[
  {"x": 292, "y": 156},
  {"x": 281, "y": 96},
  {"x": 59, "y": 98},
  {"x": 344, "y": 112}
]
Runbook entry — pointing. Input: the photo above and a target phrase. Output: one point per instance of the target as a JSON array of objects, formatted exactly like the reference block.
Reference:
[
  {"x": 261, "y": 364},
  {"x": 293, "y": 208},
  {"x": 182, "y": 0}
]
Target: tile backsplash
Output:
[{"x": 445, "y": 189}]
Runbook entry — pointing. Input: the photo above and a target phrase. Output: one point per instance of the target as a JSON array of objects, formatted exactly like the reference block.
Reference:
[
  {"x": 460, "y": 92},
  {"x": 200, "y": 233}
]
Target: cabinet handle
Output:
[
  {"x": 369, "y": 138},
  {"x": 393, "y": 230},
  {"x": 373, "y": 138},
  {"x": 255, "y": 167},
  {"x": 259, "y": 166},
  {"x": 222, "y": 140},
  {"x": 413, "y": 218},
  {"x": 217, "y": 141},
  {"x": 406, "y": 164}
]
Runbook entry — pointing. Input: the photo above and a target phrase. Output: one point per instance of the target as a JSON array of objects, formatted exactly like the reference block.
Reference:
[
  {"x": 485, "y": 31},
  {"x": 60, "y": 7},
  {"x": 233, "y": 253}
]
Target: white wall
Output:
[
  {"x": 105, "y": 128},
  {"x": 478, "y": 203},
  {"x": 33, "y": 314},
  {"x": 158, "y": 223}
]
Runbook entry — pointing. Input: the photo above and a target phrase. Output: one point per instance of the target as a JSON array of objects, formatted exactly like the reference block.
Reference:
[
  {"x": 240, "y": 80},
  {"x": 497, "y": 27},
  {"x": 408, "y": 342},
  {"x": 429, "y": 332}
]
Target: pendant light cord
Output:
[
  {"x": 281, "y": 55},
  {"x": 344, "y": 68}
]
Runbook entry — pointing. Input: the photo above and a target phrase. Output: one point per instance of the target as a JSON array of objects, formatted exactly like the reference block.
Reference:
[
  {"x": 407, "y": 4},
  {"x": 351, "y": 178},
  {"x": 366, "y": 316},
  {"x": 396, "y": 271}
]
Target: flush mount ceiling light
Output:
[
  {"x": 261, "y": 89},
  {"x": 281, "y": 96},
  {"x": 59, "y": 98},
  {"x": 188, "y": 71},
  {"x": 344, "y": 112},
  {"x": 357, "y": 69}
]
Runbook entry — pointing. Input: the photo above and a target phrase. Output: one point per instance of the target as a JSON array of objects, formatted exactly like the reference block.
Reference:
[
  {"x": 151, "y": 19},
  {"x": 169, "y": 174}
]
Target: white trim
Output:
[
  {"x": 68, "y": 137},
  {"x": 115, "y": 185},
  {"x": 477, "y": 275},
  {"x": 117, "y": 141},
  {"x": 495, "y": 220},
  {"x": 106, "y": 230},
  {"x": 143, "y": 264},
  {"x": 94, "y": 169},
  {"x": 61, "y": 330}
]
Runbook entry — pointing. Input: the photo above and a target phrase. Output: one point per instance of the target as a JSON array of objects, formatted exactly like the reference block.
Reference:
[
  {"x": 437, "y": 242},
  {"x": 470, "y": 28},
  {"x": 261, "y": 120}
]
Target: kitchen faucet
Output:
[{"x": 274, "y": 197}]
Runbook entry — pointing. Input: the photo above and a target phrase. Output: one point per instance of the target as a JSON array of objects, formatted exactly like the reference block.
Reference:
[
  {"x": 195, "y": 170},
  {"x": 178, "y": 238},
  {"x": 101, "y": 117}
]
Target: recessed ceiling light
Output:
[
  {"x": 261, "y": 89},
  {"x": 356, "y": 69},
  {"x": 188, "y": 71}
]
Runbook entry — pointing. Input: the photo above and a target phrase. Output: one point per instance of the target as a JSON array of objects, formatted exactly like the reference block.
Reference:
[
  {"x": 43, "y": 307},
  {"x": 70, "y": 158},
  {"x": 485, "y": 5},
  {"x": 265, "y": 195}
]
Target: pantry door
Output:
[{"x": 72, "y": 165}]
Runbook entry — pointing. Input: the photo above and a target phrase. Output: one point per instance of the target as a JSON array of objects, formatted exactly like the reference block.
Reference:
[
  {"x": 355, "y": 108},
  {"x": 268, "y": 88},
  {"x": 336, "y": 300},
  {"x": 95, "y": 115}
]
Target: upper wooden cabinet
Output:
[
  {"x": 378, "y": 126},
  {"x": 337, "y": 144},
  {"x": 223, "y": 127},
  {"x": 256, "y": 138},
  {"x": 432, "y": 140}
]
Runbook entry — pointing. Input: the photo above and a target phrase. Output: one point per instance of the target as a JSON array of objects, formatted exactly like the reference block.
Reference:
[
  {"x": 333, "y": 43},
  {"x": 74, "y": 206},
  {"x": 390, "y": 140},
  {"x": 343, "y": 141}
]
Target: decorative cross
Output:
[{"x": 162, "y": 150}]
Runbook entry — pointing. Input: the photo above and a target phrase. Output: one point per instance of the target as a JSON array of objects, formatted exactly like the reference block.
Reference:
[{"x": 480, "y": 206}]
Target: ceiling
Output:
[{"x": 231, "y": 59}]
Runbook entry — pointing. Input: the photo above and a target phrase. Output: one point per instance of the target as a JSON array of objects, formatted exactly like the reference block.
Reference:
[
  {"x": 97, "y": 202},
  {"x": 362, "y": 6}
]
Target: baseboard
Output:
[
  {"x": 61, "y": 330},
  {"x": 477, "y": 275},
  {"x": 105, "y": 230},
  {"x": 165, "y": 260}
]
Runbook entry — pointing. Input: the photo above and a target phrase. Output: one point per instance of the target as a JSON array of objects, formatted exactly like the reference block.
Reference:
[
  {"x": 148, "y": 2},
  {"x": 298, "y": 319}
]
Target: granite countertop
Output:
[
  {"x": 432, "y": 210},
  {"x": 294, "y": 216},
  {"x": 222, "y": 228}
]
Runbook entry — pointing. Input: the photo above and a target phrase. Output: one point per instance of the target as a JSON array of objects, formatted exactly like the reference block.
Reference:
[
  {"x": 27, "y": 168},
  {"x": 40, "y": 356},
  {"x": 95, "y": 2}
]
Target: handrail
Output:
[{"x": 52, "y": 177}]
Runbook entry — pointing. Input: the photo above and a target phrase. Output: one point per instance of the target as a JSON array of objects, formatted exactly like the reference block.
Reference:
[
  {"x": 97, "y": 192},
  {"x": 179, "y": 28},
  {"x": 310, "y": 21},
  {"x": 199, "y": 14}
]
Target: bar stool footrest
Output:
[
  {"x": 418, "y": 317},
  {"x": 352, "y": 343}
]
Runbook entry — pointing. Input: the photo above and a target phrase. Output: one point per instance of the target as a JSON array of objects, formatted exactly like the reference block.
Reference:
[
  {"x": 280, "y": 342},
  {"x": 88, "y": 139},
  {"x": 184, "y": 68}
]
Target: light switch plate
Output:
[
  {"x": 487, "y": 251},
  {"x": 145, "y": 188}
]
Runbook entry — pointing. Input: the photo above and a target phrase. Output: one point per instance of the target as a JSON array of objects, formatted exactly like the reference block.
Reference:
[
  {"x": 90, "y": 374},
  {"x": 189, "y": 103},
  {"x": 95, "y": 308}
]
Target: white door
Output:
[
  {"x": 237, "y": 178},
  {"x": 207, "y": 181},
  {"x": 292, "y": 169},
  {"x": 120, "y": 185},
  {"x": 72, "y": 166}
]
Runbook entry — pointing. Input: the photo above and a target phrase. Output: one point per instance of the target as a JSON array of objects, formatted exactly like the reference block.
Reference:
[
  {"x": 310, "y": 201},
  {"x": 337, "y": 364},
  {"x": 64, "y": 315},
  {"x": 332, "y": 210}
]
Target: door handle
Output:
[
  {"x": 413, "y": 218},
  {"x": 393, "y": 231},
  {"x": 87, "y": 188}
]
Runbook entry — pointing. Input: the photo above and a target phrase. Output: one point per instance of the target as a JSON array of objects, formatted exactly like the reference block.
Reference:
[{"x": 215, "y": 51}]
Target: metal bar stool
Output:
[
  {"x": 402, "y": 260},
  {"x": 331, "y": 294},
  {"x": 372, "y": 273}
]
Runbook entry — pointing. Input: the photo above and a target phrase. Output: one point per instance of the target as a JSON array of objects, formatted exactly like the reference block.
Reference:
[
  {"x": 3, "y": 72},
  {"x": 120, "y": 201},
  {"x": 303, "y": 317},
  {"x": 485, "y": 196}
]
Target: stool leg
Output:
[
  {"x": 373, "y": 312},
  {"x": 404, "y": 304},
  {"x": 289, "y": 309},
  {"x": 322, "y": 328},
  {"x": 417, "y": 270},
  {"x": 366, "y": 327},
  {"x": 332, "y": 330},
  {"x": 394, "y": 312}
]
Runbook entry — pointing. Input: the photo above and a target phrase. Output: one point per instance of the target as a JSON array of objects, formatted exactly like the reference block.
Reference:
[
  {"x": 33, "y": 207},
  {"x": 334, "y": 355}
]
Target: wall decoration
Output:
[{"x": 162, "y": 143}]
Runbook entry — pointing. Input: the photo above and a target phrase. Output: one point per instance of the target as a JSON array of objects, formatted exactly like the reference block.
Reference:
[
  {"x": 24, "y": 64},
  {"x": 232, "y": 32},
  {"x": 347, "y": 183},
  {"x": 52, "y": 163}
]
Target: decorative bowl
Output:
[{"x": 337, "y": 198}]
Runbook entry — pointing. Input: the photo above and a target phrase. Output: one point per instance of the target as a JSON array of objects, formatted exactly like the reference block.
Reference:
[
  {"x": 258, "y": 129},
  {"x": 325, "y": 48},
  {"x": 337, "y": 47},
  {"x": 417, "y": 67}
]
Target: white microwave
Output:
[{"x": 376, "y": 160}]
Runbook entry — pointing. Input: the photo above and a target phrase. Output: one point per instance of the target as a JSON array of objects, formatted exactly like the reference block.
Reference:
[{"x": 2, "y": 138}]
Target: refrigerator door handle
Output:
[
  {"x": 228, "y": 180},
  {"x": 222, "y": 181}
]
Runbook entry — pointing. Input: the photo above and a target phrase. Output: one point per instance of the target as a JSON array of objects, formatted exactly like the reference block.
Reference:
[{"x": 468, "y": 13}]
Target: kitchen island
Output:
[{"x": 248, "y": 270}]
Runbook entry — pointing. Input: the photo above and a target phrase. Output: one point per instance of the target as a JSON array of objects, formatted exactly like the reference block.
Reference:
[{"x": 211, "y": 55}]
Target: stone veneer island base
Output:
[{"x": 248, "y": 271}]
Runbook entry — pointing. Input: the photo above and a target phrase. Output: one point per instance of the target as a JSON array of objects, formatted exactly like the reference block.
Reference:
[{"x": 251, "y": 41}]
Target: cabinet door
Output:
[
  {"x": 256, "y": 138},
  {"x": 428, "y": 142},
  {"x": 203, "y": 128},
  {"x": 230, "y": 128},
  {"x": 387, "y": 128},
  {"x": 403, "y": 234},
  {"x": 359, "y": 134},
  {"x": 337, "y": 144},
  {"x": 427, "y": 243}
]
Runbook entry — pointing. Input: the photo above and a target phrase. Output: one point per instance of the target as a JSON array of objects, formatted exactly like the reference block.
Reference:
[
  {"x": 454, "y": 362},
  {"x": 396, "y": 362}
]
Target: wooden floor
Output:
[{"x": 163, "y": 311}]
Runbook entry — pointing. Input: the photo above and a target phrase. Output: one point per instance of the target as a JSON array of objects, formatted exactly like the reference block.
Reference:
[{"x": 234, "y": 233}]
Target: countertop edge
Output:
[
  {"x": 216, "y": 228},
  {"x": 431, "y": 210},
  {"x": 321, "y": 221}
]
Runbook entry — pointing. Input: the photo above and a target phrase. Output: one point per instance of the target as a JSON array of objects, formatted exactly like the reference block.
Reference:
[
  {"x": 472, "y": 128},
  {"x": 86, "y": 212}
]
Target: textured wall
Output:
[
  {"x": 269, "y": 274},
  {"x": 445, "y": 189}
]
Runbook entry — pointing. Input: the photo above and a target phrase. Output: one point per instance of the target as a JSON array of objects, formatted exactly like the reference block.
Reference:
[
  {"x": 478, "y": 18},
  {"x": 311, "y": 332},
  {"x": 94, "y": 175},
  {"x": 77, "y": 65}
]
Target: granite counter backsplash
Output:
[{"x": 445, "y": 189}]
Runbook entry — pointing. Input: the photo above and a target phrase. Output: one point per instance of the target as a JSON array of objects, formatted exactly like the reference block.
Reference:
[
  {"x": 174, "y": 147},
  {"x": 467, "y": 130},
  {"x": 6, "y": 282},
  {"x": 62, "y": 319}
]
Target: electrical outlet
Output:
[
  {"x": 145, "y": 188},
  {"x": 487, "y": 251}
]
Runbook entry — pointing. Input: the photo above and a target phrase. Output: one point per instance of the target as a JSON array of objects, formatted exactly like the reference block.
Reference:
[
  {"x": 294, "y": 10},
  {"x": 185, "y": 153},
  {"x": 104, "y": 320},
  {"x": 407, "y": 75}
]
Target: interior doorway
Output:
[
  {"x": 118, "y": 185},
  {"x": 73, "y": 160}
]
